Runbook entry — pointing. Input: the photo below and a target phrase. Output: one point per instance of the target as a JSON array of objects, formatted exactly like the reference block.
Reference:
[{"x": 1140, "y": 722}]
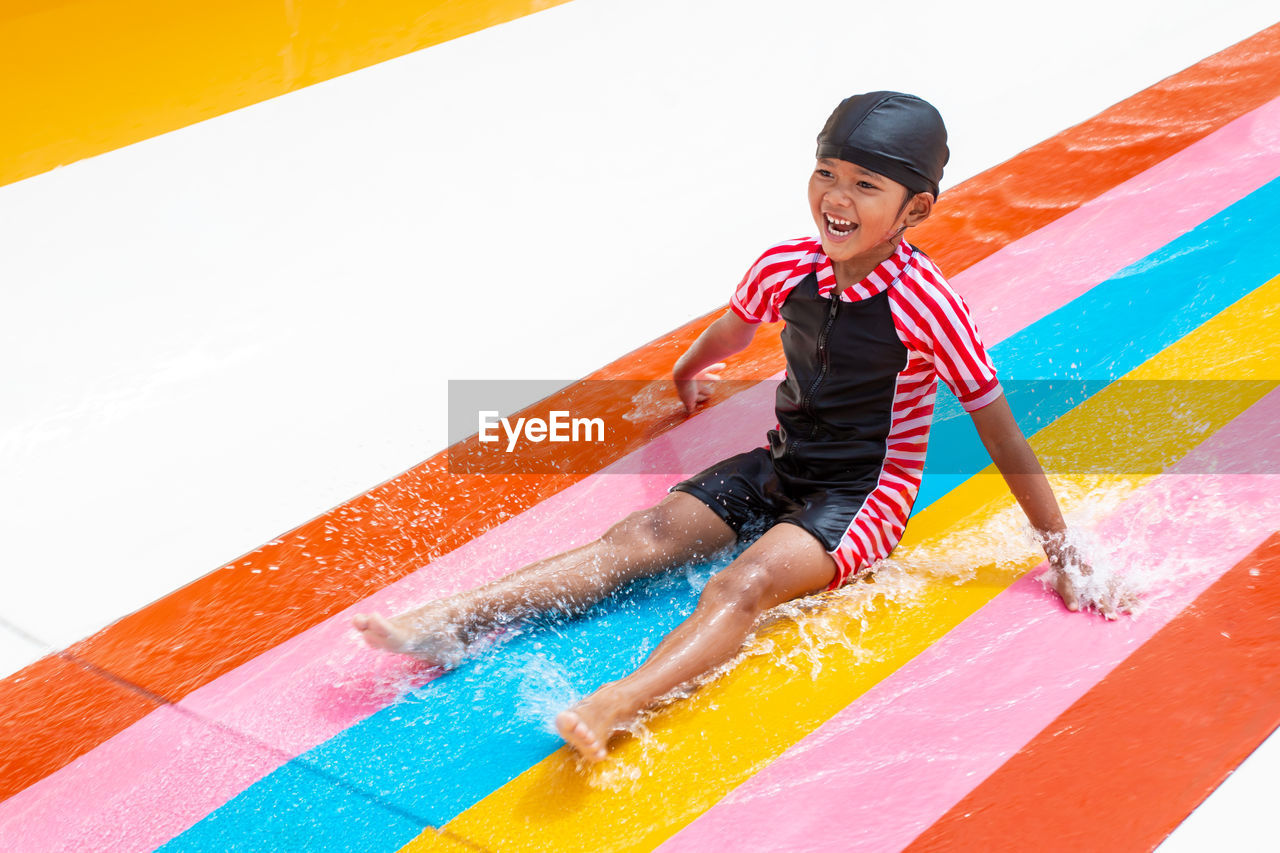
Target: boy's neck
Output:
[{"x": 850, "y": 272}]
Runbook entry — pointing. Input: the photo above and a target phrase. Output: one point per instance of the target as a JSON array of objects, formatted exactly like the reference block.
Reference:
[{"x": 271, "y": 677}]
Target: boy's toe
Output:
[{"x": 578, "y": 735}]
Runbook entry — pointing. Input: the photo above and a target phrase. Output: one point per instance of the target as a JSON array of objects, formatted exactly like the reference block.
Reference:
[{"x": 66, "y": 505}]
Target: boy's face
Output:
[{"x": 859, "y": 212}]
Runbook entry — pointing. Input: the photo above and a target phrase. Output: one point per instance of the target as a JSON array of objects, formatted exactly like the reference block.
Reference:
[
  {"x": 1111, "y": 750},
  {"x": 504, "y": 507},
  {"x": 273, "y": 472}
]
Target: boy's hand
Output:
[
  {"x": 694, "y": 371},
  {"x": 1063, "y": 584},
  {"x": 694, "y": 392},
  {"x": 1072, "y": 578}
]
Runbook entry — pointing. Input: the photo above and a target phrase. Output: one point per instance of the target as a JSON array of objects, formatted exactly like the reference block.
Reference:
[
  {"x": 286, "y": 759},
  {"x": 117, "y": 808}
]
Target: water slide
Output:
[{"x": 253, "y": 254}]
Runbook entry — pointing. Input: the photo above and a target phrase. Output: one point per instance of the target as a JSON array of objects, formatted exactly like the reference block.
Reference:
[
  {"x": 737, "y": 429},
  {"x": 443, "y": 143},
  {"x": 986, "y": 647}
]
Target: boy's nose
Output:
[
  {"x": 839, "y": 198},
  {"x": 839, "y": 207}
]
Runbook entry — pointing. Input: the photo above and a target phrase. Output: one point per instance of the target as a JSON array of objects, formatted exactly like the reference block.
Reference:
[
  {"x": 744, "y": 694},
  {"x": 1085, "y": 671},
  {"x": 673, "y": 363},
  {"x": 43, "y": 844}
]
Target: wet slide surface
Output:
[{"x": 268, "y": 737}]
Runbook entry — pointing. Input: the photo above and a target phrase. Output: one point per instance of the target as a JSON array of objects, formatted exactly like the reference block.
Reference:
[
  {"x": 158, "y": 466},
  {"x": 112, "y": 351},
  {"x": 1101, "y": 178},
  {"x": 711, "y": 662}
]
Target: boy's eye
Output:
[
  {"x": 824, "y": 173},
  {"x": 867, "y": 185}
]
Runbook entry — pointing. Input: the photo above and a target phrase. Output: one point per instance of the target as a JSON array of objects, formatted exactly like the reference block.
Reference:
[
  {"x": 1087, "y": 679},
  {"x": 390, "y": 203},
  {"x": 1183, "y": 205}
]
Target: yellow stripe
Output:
[
  {"x": 695, "y": 751},
  {"x": 90, "y": 76}
]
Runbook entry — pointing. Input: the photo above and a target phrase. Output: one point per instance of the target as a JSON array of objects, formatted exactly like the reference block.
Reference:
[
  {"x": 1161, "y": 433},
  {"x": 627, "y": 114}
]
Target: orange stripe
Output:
[
  {"x": 1125, "y": 764},
  {"x": 235, "y": 613},
  {"x": 88, "y": 76},
  {"x": 30, "y": 697}
]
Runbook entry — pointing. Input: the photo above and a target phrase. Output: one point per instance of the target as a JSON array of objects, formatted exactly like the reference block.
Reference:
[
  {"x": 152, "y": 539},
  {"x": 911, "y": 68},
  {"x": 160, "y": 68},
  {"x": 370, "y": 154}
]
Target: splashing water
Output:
[
  {"x": 1116, "y": 540},
  {"x": 544, "y": 690},
  {"x": 1112, "y": 522}
]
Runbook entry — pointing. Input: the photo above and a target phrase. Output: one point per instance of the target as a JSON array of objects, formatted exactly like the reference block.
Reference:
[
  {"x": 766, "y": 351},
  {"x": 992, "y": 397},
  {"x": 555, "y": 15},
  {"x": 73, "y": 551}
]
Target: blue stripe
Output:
[{"x": 448, "y": 745}]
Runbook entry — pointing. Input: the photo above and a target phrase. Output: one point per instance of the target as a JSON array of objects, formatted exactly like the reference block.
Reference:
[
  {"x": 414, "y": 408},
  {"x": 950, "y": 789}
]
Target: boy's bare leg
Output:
[
  {"x": 785, "y": 563},
  {"x": 678, "y": 529}
]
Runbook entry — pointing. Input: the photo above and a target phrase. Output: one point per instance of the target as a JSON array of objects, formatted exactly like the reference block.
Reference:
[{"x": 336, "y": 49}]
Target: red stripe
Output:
[
  {"x": 743, "y": 314},
  {"x": 969, "y": 399},
  {"x": 938, "y": 298},
  {"x": 956, "y": 352},
  {"x": 757, "y": 292}
]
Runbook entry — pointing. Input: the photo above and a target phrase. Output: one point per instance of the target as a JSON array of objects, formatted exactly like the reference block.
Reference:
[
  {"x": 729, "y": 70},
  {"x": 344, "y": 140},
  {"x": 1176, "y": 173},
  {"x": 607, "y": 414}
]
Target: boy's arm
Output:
[
  {"x": 723, "y": 338},
  {"x": 1021, "y": 470}
]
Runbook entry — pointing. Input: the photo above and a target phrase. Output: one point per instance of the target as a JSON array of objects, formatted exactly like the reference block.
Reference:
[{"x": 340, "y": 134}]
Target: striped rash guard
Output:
[{"x": 862, "y": 373}]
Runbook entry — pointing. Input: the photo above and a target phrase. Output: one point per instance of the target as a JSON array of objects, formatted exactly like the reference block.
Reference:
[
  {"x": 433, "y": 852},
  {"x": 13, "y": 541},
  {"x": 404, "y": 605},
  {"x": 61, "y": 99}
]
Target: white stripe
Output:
[
  {"x": 900, "y": 501},
  {"x": 990, "y": 396},
  {"x": 914, "y": 423},
  {"x": 868, "y": 530},
  {"x": 864, "y": 548}
]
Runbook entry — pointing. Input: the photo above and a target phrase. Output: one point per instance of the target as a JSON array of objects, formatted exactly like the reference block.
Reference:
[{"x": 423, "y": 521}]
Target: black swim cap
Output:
[{"x": 899, "y": 136}]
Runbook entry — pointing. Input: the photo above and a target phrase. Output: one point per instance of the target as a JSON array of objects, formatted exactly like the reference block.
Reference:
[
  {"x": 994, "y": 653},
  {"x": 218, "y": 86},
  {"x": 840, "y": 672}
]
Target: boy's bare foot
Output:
[
  {"x": 437, "y": 642},
  {"x": 588, "y": 725}
]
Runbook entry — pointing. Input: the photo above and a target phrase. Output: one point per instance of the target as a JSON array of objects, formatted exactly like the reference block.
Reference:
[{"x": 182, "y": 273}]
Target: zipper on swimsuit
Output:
[{"x": 824, "y": 361}]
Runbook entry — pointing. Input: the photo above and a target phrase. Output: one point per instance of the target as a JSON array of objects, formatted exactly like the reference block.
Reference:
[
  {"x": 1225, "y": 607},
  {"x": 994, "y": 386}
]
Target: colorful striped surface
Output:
[
  {"x": 242, "y": 615},
  {"x": 952, "y": 704}
]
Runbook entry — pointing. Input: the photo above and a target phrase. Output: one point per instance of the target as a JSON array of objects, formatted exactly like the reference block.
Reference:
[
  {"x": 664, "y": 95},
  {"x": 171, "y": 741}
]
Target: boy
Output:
[{"x": 870, "y": 327}]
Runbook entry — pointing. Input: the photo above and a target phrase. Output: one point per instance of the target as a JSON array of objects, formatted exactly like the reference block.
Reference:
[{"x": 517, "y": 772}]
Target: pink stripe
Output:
[
  {"x": 315, "y": 685},
  {"x": 118, "y": 797},
  {"x": 889, "y": 765}
]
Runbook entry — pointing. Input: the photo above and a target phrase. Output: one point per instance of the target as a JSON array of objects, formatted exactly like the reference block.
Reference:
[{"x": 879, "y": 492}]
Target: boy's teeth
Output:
[{"x": 842, "y": 226}]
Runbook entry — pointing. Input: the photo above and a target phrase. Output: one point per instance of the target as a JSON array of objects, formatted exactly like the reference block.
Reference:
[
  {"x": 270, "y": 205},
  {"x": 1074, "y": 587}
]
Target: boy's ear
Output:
[{"x": 919, "y": 208}]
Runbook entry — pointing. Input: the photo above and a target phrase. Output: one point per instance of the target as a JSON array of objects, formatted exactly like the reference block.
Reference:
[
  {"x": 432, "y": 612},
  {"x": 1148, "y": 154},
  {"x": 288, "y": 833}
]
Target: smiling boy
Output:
[{"x": 870, "y": 327}]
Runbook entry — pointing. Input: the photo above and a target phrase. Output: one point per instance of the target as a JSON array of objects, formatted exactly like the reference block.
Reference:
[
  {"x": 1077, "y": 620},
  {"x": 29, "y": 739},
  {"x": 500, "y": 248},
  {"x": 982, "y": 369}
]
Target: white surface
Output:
[
  {"x": 18, "y": 650},
  {"x": 210, "y": 337},
  {"x": 1240, "y": 816}
]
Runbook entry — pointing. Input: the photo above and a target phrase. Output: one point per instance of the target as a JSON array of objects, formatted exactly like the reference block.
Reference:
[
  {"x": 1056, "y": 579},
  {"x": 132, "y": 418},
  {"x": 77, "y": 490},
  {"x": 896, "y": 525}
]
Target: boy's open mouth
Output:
[{"x": 839, "y": 227}]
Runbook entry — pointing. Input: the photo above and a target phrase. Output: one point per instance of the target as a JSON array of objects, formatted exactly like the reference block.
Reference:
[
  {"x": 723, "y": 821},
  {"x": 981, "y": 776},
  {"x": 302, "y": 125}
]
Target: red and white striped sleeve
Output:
[
  {"x": 763, "y": 289},
  {"x": 940, "y": 326}
]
